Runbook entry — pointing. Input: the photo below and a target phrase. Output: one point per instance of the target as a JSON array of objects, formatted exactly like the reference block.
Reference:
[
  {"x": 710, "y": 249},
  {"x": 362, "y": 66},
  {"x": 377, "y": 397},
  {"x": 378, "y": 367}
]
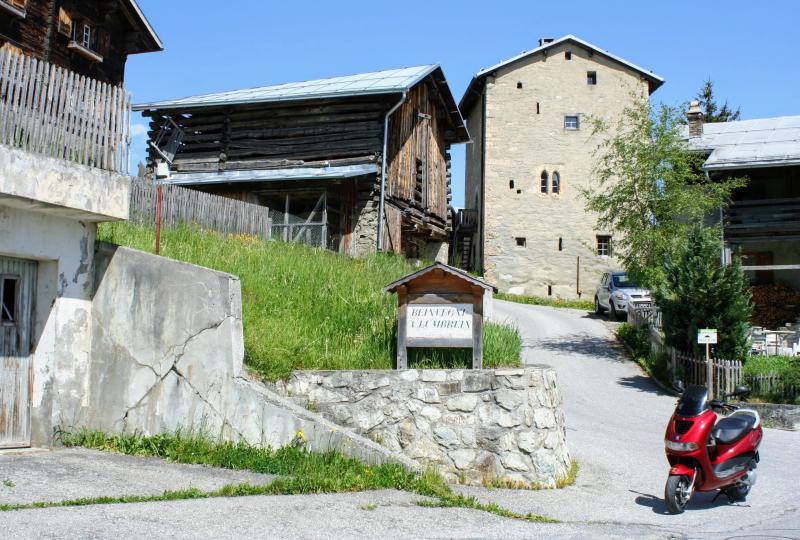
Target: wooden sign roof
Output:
[{"x": 455, "y": 273}]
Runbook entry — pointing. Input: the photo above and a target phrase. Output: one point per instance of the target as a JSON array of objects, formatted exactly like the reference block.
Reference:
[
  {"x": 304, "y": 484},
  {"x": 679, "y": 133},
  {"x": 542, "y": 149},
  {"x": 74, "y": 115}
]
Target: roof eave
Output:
[{"x": 149, "y": 33}]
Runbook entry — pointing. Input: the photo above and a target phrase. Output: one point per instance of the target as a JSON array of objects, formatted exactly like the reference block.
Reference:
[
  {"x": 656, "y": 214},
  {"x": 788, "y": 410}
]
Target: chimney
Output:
[
  {"x": 545, "y": 40},
  {"x": 695, "y": 118}
]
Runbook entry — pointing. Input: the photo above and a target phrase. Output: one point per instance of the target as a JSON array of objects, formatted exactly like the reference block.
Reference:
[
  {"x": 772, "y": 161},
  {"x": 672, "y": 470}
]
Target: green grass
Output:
[
  {"x": 307, "y": 308},
  {"x": 301, "y": 471},
  {"x": 585, "y": 305}
]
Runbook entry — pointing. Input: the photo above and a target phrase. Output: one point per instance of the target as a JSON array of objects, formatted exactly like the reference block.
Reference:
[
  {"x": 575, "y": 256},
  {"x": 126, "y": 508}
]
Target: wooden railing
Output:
[
  {"x": 54, "y": 111},
  {"x": 466, "y": 218},
  {"x": 762, "y": 218}
]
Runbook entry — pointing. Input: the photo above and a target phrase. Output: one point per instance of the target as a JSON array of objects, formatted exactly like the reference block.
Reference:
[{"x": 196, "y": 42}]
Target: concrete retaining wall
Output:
[
  {"x": 503, "y": 425},
  {"x": 776, "y": 415},
  {"x": 167, "y": 352}
]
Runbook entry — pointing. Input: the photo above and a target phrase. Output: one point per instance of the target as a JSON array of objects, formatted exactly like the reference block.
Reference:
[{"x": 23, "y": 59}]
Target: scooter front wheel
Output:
[{"x": 677, "y": 493}]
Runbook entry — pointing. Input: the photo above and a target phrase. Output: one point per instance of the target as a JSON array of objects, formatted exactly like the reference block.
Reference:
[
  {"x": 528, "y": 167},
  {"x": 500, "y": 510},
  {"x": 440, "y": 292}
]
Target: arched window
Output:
[
  {"x": 556, "y": 182},
  {"x": 544, "y": 182}
]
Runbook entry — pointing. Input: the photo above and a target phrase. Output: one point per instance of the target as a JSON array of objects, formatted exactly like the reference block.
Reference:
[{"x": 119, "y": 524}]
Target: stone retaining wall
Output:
[{"x": 503, "y": 425}]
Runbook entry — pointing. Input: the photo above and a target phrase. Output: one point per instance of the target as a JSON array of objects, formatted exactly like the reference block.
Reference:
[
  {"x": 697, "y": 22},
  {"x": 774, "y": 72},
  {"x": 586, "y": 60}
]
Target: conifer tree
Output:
[{"x": 699, "y": 292}]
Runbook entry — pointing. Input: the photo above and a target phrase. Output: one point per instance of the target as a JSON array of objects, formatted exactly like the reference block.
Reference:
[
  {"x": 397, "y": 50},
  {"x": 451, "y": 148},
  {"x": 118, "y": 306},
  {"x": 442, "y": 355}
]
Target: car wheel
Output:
[
  {"x": 613, "y": 313},
  {"x": 598, "y": 309}
]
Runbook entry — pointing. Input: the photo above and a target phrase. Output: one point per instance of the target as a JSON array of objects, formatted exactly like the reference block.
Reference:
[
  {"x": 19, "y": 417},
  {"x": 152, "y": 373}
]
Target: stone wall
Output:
[
  {"x": 484, "y": 426},
  {"x": 525, "y": 135},
  {"x": 167, "y": 353}
]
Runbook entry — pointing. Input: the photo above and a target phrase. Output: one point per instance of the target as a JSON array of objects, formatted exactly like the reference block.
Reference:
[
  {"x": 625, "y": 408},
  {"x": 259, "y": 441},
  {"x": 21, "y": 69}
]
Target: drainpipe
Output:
[{"x": 383, "y": 168}]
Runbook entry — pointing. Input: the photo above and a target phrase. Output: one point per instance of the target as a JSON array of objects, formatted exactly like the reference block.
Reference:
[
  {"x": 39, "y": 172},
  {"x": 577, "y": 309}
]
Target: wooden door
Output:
[{"x": 17, "y": 289}]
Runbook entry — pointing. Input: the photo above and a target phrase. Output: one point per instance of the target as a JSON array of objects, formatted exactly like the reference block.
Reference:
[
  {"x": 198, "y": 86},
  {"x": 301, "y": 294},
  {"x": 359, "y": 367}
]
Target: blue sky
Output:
[{"x": 749, "y": 49}]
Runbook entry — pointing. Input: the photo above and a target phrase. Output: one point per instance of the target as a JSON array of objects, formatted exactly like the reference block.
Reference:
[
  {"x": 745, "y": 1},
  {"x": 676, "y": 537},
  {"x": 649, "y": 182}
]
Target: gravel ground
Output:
[
  {"x": 381, "y": 514},
  {"x": 73, "y": 473}
]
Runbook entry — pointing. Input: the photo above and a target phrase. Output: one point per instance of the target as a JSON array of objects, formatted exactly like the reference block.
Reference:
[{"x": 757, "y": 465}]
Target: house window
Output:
[
  {"x": 86, "y": 38},
  {"x": 568, "y": 55},
  {"x": 572, "y": 121},
  {"x": 544, "y": 186},
  {"x": 537, "y": 107},
  {"x": 560, "y": 243},
  {"x": 521, "y": 241},
  {"x": 510, "y": 184},
  {"x": 591, "y": 78},
  {"x": 556, "y": 185},
  {"x": 519, "y": 85},
  {"x": 8, "y": 299},
  {"x": 604, "y": 245}
]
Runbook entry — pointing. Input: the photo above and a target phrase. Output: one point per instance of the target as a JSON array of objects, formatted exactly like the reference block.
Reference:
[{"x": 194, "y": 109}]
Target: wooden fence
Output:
[
  {"x": 54, "y": 111},
  {"x": 182, "y": 205},
  {"x": 727, "y": 374}
]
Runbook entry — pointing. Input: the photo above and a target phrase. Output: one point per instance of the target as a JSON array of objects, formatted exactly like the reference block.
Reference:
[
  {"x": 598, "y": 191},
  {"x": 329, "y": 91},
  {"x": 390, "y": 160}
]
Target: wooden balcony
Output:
[
  {"x": 466, "y": 220},
  {"x": 53, "y": 111},
  {"x": 765, "y": 219}
]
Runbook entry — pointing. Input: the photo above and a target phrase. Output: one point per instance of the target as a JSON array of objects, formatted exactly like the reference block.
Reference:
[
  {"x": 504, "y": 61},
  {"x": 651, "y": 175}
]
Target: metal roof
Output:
[
  {"x": 453, "y": 271},
  {"x": 762, "y": 142},
  {"x": 390, "y": 81},
  {"x": 273, "y": 175},
  {"x": 655, "y": 80}
]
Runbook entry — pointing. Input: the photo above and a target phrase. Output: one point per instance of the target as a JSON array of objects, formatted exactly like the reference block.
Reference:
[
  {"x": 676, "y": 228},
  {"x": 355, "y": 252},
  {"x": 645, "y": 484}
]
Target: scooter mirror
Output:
[
  {"x": 677, "y": 384},
  {"x": 740, "y": 391}
]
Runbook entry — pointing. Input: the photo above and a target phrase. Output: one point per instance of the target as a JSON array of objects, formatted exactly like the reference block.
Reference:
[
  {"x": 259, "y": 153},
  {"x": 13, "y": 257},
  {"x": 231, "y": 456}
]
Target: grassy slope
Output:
[
  {"x": 544, "y": 301},
  {"x": 307, "y": 308}
]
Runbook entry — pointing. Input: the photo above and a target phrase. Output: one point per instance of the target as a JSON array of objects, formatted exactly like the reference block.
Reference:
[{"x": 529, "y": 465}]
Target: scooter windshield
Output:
[{"x": 693, "y": 402}]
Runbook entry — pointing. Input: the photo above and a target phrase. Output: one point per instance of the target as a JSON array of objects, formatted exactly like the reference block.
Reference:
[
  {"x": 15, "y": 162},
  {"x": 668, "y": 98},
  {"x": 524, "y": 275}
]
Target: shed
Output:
[{"x": 440, "y": 306}]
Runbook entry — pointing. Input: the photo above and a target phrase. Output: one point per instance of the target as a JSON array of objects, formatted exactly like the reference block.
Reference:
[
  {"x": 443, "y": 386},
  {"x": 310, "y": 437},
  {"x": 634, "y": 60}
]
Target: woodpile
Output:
[{"x": 775, "y": 305}]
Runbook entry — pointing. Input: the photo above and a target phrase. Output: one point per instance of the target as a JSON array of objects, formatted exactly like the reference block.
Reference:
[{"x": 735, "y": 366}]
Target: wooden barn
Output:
[{"x": 325, "y": 156}]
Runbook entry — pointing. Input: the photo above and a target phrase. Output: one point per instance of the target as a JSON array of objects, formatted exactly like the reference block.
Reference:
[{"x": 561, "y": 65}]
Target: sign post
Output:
[
  {"x": 439, "y": 306},
  {"x": 708, "y": 336}
]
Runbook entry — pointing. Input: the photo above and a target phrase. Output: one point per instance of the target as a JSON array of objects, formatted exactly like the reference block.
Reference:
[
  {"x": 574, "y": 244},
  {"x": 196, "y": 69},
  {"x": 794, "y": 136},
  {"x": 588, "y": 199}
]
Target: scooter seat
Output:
[{"x": 734, "y": 427}]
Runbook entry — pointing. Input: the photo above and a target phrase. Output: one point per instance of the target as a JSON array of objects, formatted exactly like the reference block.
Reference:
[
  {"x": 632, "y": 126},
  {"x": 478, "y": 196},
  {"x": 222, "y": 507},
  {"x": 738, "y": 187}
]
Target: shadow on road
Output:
[
  {"x": 642, "y": 383},
  {"x": 699, "y": 501},
  {"x": 582, "y": 344}
]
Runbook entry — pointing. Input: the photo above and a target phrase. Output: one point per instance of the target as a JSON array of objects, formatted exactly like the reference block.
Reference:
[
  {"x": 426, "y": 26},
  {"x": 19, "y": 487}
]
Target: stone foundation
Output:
[{"x": 477, "y": 427}]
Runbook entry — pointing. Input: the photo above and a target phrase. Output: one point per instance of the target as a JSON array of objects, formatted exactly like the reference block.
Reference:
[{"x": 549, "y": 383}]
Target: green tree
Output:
[
  {"x": 711, "y": 111},
  {"x": 700, "y": 292},
  {"x": 650, "y": 188}
]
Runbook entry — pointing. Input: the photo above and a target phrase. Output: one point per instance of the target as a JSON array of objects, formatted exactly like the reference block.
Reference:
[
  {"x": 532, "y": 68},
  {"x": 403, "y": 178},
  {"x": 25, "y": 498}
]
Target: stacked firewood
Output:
[{"x": 775, "y": 305}]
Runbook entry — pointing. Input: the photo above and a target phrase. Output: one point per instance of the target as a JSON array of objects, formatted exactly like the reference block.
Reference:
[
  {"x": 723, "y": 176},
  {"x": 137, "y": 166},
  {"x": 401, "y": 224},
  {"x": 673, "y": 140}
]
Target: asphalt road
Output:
[
  {"x": 616, "y": 418},
  {"x": 615, "y": 427}
]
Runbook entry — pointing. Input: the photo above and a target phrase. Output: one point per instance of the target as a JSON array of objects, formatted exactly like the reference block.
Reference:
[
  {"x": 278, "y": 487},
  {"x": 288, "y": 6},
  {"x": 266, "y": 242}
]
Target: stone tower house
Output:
[{"x": 532, "y": 153}]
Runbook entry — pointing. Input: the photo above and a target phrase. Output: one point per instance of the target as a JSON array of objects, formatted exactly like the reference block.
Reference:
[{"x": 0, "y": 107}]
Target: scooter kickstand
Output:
[{"x": 723, "y": 492}]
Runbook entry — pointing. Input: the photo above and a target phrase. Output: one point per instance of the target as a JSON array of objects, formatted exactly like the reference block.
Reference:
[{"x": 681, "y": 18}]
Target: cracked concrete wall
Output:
[
  {"x": 167, "y": 353},
  {"x": 63, "y": 249}
]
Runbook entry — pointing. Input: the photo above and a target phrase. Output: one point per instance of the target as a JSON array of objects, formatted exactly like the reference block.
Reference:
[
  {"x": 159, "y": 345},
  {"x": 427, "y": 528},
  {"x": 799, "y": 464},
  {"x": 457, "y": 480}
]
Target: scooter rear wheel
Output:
[{"x": 677, "y": 493}]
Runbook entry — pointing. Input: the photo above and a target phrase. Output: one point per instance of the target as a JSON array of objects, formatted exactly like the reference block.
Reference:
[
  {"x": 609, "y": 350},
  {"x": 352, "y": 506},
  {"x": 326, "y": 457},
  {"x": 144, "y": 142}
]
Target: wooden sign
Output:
[{"x": 439, "y": 306}]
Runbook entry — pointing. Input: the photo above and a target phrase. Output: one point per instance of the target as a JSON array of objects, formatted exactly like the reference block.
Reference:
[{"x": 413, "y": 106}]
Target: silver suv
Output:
[{"x": 617, "y": 294}]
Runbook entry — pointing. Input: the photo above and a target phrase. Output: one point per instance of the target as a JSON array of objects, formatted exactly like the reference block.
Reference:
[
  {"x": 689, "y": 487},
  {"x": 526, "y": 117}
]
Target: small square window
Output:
[
  {"x": 8, "y": 299},
  {"x": 572, "y": 121},
  {"x": 521, "y": 241},
  {"x": 591, "y": 78},
  {"x": 519, "y": 85},
  {"x": 604, "y": 245},
  {"x": 568, "y": 55}
]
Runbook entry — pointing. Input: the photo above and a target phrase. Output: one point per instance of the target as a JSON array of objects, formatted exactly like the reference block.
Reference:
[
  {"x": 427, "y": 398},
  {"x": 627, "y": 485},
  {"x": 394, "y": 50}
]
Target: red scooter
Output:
[{"x": 706, "y": 454}]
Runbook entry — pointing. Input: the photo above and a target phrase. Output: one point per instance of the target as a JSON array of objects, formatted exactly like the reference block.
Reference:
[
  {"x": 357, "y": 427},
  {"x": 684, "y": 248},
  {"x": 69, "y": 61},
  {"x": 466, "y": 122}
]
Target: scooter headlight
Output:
[{"x": 680, "y": 446}]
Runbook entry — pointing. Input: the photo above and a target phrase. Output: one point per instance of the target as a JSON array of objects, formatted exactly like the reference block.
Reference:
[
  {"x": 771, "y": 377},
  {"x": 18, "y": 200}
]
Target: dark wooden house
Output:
[
  {"x": 90, "y": 37},
  {"x": 325, "y": 156}
]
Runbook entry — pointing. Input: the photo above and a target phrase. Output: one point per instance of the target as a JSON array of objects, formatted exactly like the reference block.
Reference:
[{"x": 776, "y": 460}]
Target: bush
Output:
[
  {"x": 638, "y": 340},
  {"x": 699, "y": 292}
]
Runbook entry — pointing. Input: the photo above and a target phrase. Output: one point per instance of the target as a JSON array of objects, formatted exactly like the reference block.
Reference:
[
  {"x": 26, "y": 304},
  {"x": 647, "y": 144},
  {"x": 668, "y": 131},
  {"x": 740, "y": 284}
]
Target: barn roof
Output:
[
  {"x": 460, "y": 274},
  {"x": 387, "y": 82},
  {"x": 466, "y": 101},
  {"x": 761, "y": 142}
]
